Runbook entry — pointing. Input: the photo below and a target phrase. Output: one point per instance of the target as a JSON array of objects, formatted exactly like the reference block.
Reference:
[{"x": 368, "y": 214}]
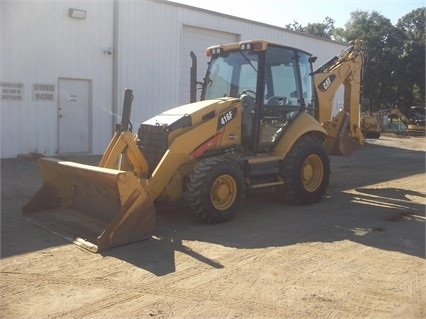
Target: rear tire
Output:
[
  {"x": 215, "y": 190},
  {"x": 305, "y": 171}
]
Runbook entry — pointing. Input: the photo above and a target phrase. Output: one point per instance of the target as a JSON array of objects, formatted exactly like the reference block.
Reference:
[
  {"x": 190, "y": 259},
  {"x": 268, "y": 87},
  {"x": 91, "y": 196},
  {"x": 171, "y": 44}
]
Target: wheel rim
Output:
[
  {"x": 223, "y": 192},
  {"x": 312, "y": 173}
]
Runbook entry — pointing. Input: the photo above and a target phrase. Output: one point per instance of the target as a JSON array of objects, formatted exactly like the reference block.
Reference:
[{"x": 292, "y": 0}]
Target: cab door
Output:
[{"x": 282, "y": 98}]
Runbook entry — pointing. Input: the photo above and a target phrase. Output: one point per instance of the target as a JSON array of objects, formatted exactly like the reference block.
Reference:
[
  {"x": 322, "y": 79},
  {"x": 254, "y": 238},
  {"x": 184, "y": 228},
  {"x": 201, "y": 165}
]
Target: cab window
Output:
[
  {"x": 281, "y": 78},
  {"x": 282, "y": 94}
]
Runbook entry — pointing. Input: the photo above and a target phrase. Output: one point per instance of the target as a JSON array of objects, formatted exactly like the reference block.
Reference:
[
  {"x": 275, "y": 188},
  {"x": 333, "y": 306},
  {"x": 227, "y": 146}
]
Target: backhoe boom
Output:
[{"x": 344, "y": 132}]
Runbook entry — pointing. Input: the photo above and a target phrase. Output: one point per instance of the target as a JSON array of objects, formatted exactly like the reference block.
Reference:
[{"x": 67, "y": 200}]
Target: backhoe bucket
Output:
[
  {"x": 339, "y": 142},
  {"x": 96, "y": 208}
]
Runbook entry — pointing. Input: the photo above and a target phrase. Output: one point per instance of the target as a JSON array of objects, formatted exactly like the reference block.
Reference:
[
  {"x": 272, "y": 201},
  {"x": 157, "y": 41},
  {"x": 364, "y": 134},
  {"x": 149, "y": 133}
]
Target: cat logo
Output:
[{"x": 325, "y": 84}]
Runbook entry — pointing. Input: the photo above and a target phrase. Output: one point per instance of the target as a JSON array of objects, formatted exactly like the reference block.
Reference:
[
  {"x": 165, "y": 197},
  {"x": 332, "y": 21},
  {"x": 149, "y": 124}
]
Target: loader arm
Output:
[
  {"x": 122, "y": 153},
  {"x": 344, "y": 131}
]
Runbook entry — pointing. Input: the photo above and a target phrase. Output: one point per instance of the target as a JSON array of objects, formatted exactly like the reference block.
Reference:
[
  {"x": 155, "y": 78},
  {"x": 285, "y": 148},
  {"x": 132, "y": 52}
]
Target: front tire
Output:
[
  {"x": 305, "y": 171},
  {"x": 215, "y": 190}
]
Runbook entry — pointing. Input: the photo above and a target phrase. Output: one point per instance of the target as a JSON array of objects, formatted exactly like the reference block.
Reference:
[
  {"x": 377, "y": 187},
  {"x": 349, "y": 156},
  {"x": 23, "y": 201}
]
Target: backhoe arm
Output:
[
  {"x": 344, "y": 132},
  {"x": 396, "y": 113}
]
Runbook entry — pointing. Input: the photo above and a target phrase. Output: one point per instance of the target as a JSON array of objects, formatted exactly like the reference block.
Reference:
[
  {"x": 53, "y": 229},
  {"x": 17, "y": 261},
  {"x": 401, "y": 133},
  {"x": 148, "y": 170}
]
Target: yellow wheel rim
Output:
[
  {"x": 223, "y": 192},
  {"x": 312, "y": 173}
]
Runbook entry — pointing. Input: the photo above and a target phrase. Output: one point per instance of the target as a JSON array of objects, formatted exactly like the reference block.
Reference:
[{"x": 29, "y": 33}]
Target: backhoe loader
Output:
[
  {"x": 264, "y": 120},
  {"x": 395, "y": 121}
]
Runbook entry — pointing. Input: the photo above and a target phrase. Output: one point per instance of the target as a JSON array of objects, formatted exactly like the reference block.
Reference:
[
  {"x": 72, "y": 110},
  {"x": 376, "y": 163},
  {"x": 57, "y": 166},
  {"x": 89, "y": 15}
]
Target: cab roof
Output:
[{"x": 255, "y": 45}]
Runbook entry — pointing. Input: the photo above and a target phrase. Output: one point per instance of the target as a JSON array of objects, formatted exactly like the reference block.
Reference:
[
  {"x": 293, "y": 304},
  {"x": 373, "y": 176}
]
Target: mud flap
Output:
[{"x": 96, "y": 208}]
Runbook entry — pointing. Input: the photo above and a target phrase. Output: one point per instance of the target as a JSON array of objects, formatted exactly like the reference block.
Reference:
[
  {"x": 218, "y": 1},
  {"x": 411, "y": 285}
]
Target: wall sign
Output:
[
  {"x": 44, "y": 92},
  {"x": 12, "y": 91}
]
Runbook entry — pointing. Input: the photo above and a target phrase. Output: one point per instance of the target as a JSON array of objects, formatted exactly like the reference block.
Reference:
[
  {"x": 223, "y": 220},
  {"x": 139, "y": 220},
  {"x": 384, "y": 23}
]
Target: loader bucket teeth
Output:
[{"x": 96, "y": 208}]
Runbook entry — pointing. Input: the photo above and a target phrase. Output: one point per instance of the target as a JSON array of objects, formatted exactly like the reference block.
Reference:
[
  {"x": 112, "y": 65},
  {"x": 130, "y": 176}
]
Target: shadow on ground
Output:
[{"x": 384, "y": 218}]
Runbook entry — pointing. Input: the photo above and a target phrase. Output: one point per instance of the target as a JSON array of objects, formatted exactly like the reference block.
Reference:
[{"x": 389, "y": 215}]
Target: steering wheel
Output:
[
  {"x": 248, "y": 97},
  {"x": 277, "y": 100},
  {"x": 249, "y": 91}
]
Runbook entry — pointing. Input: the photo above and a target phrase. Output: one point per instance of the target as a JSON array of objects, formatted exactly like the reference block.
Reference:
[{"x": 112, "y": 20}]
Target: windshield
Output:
[{"x": 230, "y": 74}]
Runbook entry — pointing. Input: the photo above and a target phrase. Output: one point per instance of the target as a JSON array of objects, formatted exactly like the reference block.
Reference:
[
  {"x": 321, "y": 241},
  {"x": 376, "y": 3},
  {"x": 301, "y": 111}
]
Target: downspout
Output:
[
  {"x": 193, "y": 78},
  {"x": 115, "y": 35}
]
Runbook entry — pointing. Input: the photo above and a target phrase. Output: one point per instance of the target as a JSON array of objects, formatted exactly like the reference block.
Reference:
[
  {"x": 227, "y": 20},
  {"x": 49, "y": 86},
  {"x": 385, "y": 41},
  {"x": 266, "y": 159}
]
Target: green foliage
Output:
[
  {"x": 394, "y": 71},
  {"x": 323, "y": 30},
  {"x": 295, "y": 26},
  {"x": 381, "y": 67},
  {"x": 412, "y": 25}
]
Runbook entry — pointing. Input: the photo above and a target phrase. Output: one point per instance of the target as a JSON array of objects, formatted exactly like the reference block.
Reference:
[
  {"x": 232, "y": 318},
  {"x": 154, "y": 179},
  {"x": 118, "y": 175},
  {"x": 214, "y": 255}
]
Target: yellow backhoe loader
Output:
[
  {"x": 395, "y": 121},
  {"x": 264, "y": 120}
]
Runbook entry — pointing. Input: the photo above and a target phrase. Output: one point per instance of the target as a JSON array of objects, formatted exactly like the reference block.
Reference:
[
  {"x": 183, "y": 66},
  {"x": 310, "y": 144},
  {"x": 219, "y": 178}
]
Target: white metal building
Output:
[{"x": 65, "y": 65}]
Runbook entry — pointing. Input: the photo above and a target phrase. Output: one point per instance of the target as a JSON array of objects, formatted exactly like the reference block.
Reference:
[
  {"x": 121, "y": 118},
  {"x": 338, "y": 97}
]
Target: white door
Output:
[
  {"x": 198, "y": 39},
  {"x": 74, "y": 105}
]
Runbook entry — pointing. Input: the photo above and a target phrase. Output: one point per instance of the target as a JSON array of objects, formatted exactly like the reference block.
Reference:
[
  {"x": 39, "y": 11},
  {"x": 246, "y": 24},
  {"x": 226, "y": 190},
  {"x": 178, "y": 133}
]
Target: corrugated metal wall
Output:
[
  {"x": 148, "y": 58},
  {"x": 147, "y": 41},
  {"x": 40, "y": 44}
]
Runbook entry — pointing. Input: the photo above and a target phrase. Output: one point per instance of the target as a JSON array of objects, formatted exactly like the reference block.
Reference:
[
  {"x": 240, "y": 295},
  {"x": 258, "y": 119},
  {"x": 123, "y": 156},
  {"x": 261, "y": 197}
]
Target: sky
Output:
[{"x": 283, "y": 12}]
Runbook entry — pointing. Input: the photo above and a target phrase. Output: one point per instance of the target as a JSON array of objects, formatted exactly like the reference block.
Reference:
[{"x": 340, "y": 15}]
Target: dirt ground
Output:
[{"x": 360, "y": 253}]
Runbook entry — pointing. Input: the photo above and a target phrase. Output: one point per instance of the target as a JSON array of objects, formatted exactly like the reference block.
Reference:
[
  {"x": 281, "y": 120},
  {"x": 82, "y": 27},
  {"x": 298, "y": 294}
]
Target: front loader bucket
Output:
[{"x": 96, "y": 208}]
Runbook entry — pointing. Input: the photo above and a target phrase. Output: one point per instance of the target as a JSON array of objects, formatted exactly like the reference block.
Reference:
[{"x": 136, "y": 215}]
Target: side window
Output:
[
  {"x": 305, "y": 70},
  {"x": 284, "y": 85},
  {"x": 281, "y": 88}
]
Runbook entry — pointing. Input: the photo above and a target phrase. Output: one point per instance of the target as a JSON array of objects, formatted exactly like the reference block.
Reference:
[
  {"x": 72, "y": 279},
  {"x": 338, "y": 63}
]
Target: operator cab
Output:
[{"x": 273, "y": 82}]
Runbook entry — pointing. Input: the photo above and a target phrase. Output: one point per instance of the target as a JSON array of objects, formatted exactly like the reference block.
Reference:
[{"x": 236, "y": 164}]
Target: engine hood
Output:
[{"x": 193, "y": 113}]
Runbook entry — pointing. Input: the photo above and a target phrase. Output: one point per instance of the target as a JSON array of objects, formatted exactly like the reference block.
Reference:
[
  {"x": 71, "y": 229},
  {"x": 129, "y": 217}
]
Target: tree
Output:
[
  {"x": 394, "y": 70},
  {"x": 412, "y": 25},
  {"x": 383, "y": 44},
  {"x": 323, "y": 30},
  {"x": 295, "y": 26}
]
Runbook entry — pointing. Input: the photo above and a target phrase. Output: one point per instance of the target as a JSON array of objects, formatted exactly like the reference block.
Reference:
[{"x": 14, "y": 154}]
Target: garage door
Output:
[{"x": 198, "y": 39}]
